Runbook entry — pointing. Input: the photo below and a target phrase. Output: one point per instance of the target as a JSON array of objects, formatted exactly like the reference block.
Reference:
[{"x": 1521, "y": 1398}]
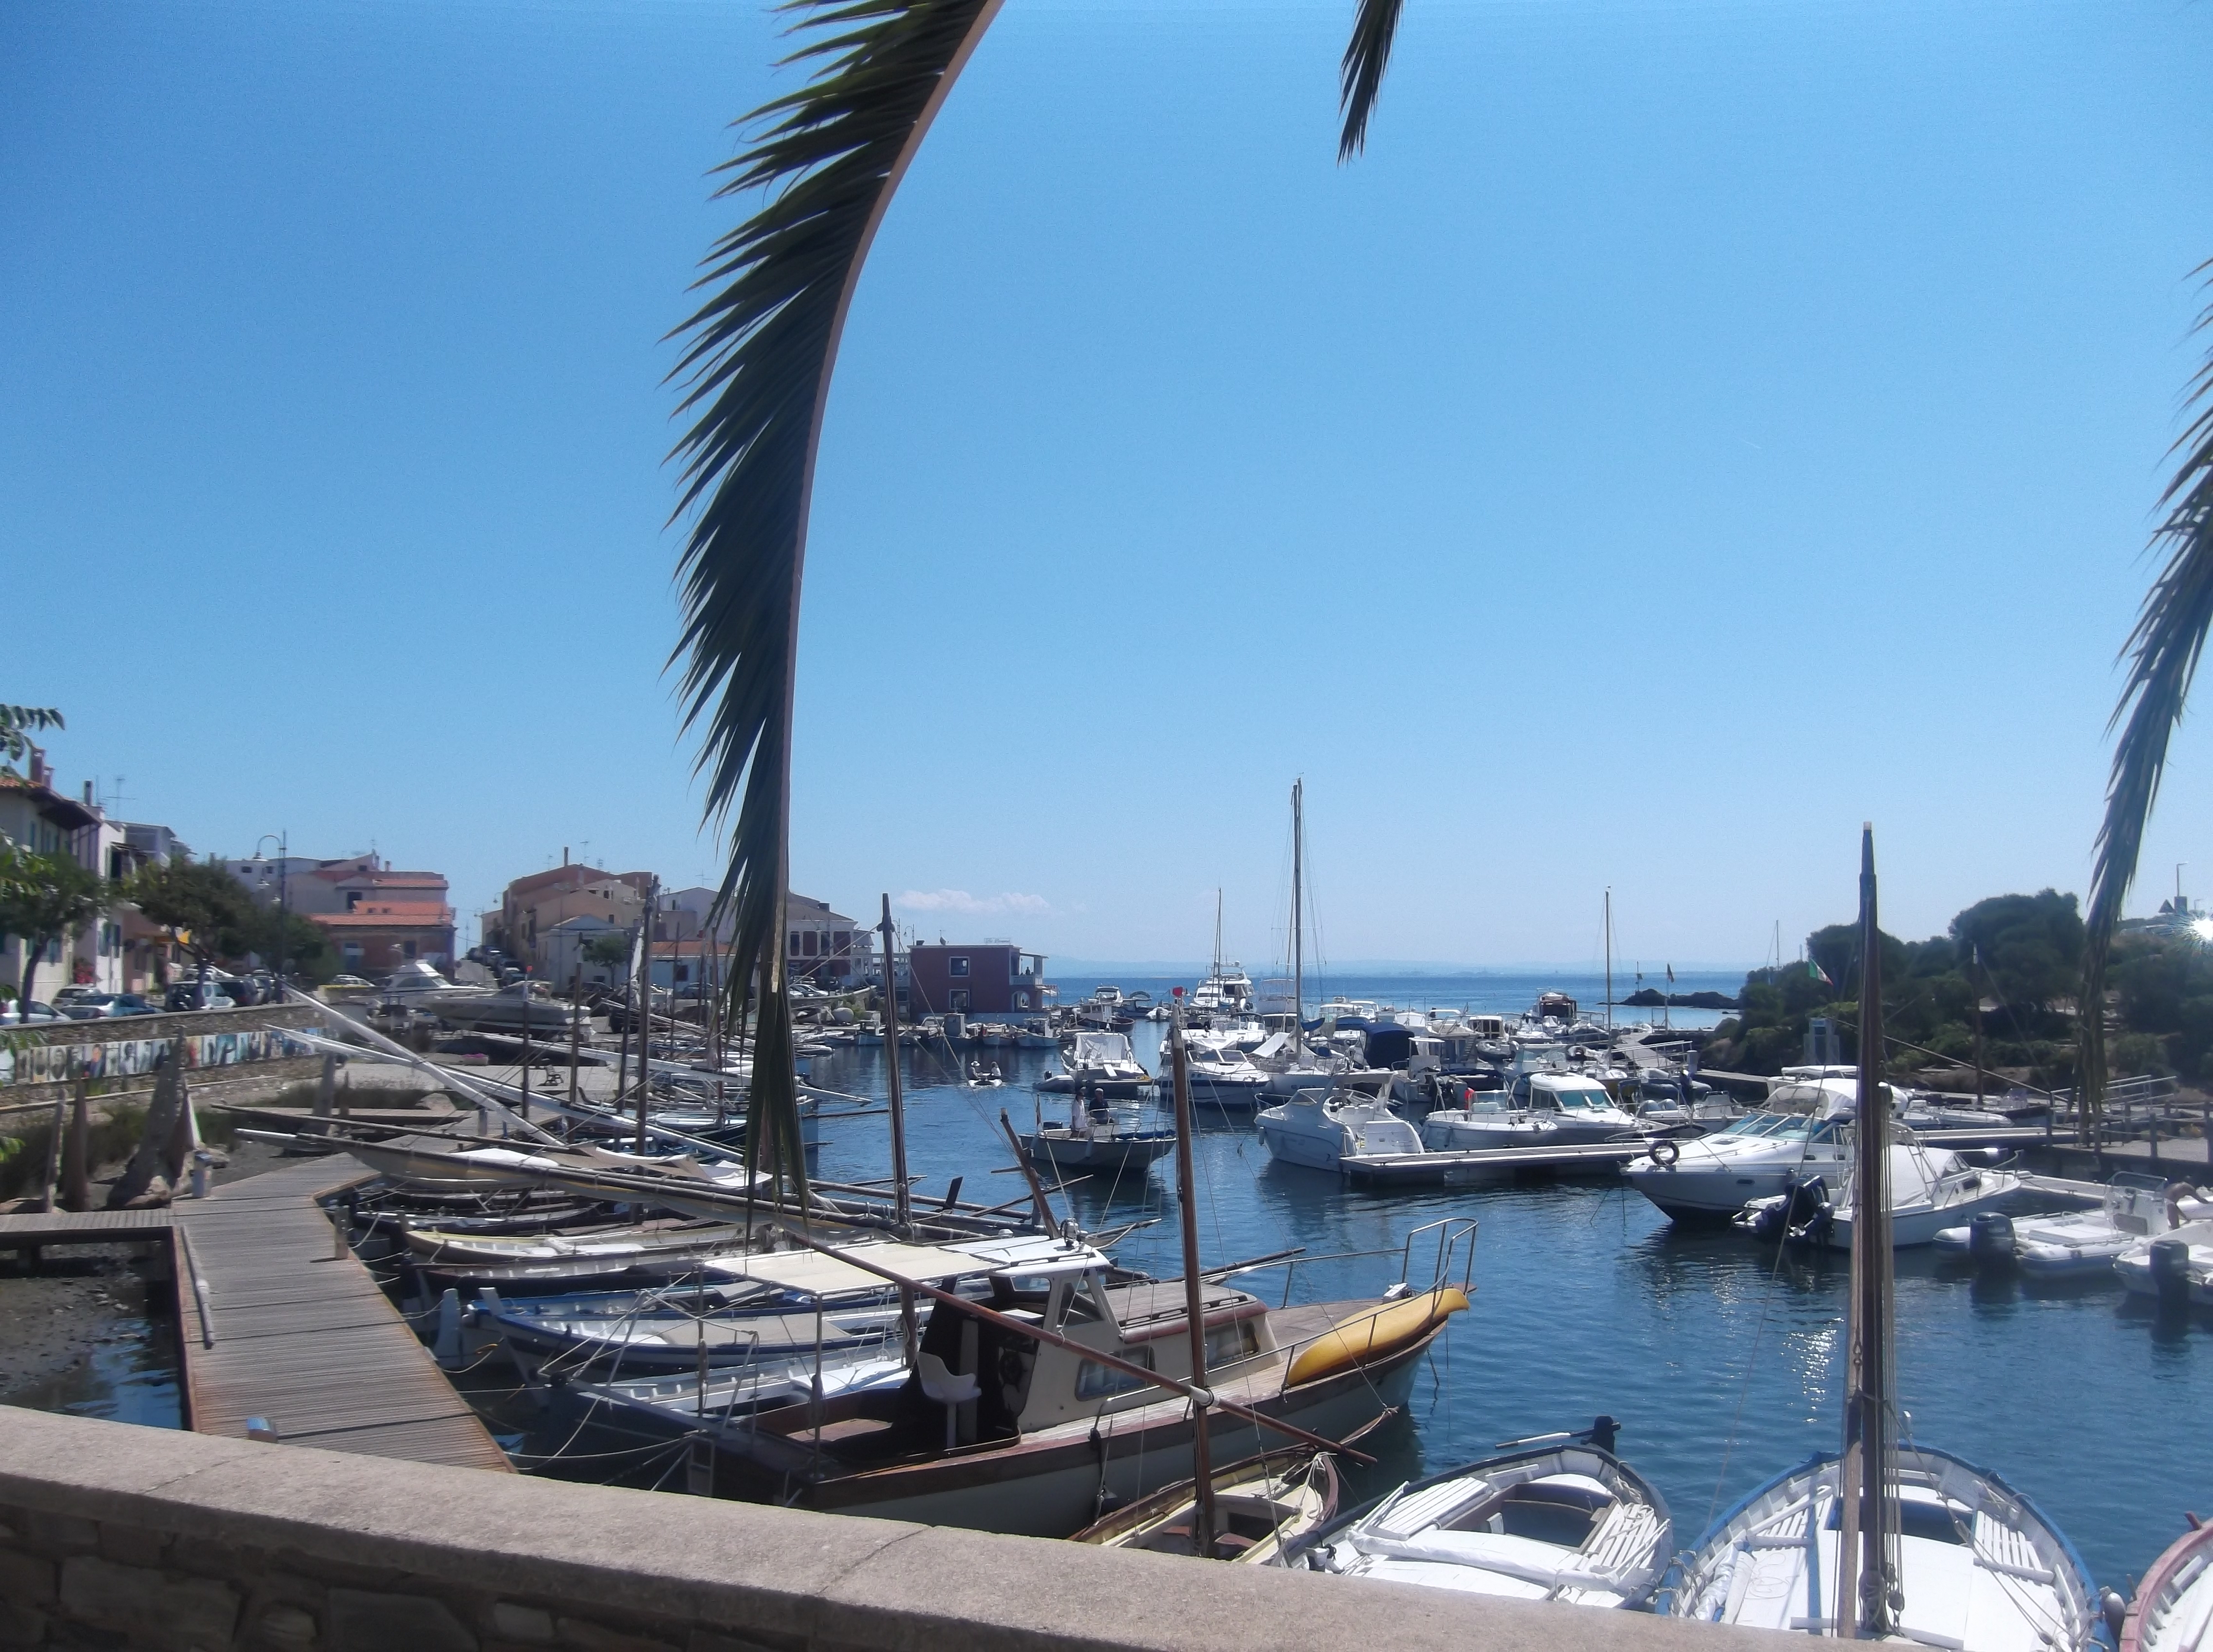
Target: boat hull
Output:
[{"x": 1058, "y": 1482}]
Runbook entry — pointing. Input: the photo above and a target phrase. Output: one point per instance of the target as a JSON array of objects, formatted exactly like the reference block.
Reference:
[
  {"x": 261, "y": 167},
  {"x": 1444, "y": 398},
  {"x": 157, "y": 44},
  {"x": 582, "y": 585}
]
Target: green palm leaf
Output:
[
  {"x": 756, "y": 370},
  {"x": 2162, "y": 651},
  {"x": 1361, "y": 75}
]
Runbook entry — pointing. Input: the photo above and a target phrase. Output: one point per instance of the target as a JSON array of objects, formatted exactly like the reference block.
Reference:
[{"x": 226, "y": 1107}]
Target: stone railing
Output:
[{"x": 116, "y": 1536}]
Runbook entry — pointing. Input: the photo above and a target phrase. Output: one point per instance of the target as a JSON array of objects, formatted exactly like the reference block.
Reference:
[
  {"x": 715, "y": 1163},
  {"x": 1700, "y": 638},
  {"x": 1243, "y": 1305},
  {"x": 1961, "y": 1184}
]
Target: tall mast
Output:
[
  {"x": 1867, "y": 1579},
  {"x": 1218, "y": 935},
  {"x": 1298, "y": 917},
  {"x": 902, "y": 1212},
  {"x": 1609, "y": 966},
  {"x": 1194, "y": 1291}
]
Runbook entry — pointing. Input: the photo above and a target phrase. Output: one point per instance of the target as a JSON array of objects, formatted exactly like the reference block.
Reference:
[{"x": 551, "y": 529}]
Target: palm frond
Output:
[
  {"x": 756, "y": 371},
  {"x": 2163, "y": 651},
  {"x": 1360, "y": 77},
  {"x": 16, "y": 722}
]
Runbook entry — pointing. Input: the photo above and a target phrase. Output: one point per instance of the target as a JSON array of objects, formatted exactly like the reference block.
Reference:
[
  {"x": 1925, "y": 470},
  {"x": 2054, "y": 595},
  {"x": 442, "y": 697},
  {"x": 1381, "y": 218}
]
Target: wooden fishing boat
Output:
[
  {"x": 1565, "y": 1520},
  {"x": 1262, "y": 1506},
  {"x": 2173, "y": 1610}
]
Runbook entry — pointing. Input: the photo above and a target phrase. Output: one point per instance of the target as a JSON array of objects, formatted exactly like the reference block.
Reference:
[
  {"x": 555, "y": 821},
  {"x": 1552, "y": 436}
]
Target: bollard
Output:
[
  {"x": 202, "y": 1169},
  {"x": 339, "y": 1248},
  {"x": 260, "y": 1428},
  {"x": 446, "y": 1348}
]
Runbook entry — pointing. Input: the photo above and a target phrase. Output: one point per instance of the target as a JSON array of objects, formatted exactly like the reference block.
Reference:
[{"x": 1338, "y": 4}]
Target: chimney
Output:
[
  {"x": 88, "y": 803},
  {"x": 40, "y": 774},
  {"x": 564, "y": 854}
]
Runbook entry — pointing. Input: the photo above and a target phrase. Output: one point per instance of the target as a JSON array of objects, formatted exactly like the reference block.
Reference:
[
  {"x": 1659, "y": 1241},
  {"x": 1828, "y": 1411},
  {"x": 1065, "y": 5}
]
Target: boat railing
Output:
[{"x": 1452, "y": 1232}]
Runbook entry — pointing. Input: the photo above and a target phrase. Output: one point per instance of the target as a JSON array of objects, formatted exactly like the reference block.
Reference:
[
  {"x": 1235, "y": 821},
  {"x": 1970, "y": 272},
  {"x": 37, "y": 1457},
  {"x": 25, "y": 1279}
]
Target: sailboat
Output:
[
  {"x": 1291, "y": 1064},
  {"x": 1889, "y": 1539}
]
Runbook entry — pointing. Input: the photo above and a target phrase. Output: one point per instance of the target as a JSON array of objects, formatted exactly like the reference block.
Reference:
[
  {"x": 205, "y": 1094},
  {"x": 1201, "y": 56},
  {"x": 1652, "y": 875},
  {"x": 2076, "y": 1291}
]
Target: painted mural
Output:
[{"x": 126, "y": 1057}]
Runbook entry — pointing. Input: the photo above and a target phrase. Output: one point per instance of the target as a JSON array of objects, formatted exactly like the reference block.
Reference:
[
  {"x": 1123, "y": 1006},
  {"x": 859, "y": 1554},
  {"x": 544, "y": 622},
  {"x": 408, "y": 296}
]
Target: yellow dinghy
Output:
[{"x": 1373, "y": 1334}]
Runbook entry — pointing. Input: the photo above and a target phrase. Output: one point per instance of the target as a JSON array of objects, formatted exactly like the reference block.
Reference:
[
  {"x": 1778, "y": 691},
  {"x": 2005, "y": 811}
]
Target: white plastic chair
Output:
[{"x": 950, "y": 1389}]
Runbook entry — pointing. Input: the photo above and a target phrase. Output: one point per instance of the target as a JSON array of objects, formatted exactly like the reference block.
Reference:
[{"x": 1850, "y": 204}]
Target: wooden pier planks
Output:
[
  {"x": 38, "y": 1228},
  {"x": 295, "y": 1333}
]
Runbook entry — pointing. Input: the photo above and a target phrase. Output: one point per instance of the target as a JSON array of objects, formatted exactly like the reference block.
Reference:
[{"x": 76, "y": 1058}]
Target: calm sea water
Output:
[{"x": 1723, "y": 1363}]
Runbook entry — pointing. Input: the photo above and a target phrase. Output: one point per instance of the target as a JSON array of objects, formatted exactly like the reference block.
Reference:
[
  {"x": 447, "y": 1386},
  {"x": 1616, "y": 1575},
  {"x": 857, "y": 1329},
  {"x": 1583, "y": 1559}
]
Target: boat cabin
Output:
[{"x": 1561, "y": 1092}]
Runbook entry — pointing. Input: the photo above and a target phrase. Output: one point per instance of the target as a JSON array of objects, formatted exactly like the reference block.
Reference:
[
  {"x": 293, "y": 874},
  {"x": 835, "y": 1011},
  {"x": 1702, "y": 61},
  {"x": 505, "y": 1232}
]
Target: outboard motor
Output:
[
  {"x": 1989, "y": 1238},
  {"x": 1794, "y": 1214},
  {"x": 1603, "y": 1432},
  {"x": 2170, "y": 1269}
]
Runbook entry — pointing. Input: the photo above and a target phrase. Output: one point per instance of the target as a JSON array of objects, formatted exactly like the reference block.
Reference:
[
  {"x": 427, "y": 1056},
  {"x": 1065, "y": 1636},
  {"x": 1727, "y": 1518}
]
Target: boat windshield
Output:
[
  {"x": 1754, "y": 1123},
  {"x": 1583, "y": 1098}
]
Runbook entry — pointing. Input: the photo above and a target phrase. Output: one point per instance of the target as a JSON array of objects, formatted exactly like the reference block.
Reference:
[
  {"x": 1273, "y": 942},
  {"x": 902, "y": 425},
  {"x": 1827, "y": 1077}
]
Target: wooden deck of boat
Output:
[
  {"x": 36, "y": 1229},
  {"x": 277, "y": 1324}
]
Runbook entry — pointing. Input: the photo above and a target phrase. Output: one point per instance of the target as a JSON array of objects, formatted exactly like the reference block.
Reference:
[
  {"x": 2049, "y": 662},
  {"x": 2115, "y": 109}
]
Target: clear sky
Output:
[{"x": 1695, "y": 427}]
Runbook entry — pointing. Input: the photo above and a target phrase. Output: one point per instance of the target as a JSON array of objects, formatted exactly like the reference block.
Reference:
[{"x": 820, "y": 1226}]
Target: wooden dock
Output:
[
  {"x": 34, "y": 1230},
  {"x": 278, "y": 1325}
]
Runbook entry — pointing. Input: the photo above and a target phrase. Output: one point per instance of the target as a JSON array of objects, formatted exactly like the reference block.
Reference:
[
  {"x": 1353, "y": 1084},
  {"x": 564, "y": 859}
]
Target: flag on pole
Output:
[{"x": 1818, "y": 974}]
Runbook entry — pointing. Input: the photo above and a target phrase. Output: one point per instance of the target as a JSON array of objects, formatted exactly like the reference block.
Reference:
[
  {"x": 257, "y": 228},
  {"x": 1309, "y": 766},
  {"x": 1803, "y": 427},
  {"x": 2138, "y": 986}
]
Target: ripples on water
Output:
[{"x": 1724, "y": 1364}]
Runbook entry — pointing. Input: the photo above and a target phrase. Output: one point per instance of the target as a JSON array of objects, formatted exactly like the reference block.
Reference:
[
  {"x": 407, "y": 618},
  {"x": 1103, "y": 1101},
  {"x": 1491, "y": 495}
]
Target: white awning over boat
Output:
[{"x": 813, "y": 1274}]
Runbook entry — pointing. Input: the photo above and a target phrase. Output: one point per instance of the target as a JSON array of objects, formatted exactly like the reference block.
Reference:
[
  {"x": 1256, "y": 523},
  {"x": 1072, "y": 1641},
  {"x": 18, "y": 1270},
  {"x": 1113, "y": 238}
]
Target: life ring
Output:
[{"x": 1665, "y": 1153}]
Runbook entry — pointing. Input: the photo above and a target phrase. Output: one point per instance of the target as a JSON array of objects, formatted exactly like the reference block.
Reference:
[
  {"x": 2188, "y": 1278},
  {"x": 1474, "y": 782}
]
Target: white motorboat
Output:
[
  {"x": 2173, "y": 1610},
  {"x": 1757, "y": 1157},
  {"x": 511, "y": 1009},
  {"x": 2135, "y": 1210},
  {"x": 1580, "y": 1108},
  {"x": 1321, "y": 1128},
  {"x": 1890, "y": 1540},
  {"x": 1570, "y": 1523},
  {"x": 1931, "y": 1188},
  {"x": 1487, "y": 1119},
  {"x": 1103, "y": 1063},
  {"x": 1980, "y": 1566},
  {"x": 2176, "y": 1266}
]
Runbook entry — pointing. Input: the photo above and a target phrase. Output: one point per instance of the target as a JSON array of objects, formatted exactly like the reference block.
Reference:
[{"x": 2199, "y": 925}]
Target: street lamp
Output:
[{"x": 283, "y": 899}]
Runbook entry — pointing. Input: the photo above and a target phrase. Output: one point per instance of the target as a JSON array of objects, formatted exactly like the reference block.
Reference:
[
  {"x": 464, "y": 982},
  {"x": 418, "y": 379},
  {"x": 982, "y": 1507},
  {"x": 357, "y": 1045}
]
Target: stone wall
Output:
[{"x": 120, "y": 1538}]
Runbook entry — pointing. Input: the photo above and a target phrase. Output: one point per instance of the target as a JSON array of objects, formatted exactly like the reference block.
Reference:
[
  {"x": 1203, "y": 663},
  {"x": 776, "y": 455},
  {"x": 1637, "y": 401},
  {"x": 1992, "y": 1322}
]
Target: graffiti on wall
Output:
[{"x": 63, "y": 1063}]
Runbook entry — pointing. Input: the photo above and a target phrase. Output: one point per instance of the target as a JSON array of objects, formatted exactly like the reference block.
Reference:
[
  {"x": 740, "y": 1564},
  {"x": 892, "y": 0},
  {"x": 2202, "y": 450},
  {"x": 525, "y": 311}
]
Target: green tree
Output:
[
  {"x": 44, "y": 898},
  {"x": 608, "y": 951},
  {"x": 276, "y": 936},
  {"x": 206, "y": 911}
]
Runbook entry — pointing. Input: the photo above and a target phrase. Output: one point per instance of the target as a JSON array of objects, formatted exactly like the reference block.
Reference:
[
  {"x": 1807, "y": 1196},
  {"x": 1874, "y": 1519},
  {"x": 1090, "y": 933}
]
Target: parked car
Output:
[
  {"x": 17, "y": 1012},
  {"x": 101, "y": 1006},
  {"x": 185, "y": 994},
  {"x": 69, "y": 992},
  {"x": 348, "y": 983}
]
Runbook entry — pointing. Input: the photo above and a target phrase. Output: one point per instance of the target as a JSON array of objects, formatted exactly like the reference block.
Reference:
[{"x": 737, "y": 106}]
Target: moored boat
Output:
[
  {"x": 1566, "y": 1521},
  {"x": 1263, "y": 1506}
]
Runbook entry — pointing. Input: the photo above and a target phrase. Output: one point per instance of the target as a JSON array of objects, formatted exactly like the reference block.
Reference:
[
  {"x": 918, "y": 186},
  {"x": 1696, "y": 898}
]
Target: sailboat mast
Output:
[
  {"x": 1217, "y": 937},
  {"x": 1194, "y": 1288},
  {"x": 1866, "y": 1575},
  {"x": 1298, "y": 917},
  {"x": 1609, "y": 966},
  {"x": 902, "y": 1211}
]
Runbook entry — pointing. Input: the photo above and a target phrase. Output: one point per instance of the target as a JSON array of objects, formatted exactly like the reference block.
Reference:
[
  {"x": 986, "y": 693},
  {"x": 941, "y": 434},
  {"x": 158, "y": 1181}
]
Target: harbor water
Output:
[{"x": 1721, "y": 1358}]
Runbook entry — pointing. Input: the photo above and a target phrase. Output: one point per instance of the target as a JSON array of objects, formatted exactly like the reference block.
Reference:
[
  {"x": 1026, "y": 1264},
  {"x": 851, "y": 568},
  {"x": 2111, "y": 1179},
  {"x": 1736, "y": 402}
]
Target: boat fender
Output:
[
  {"x": 1989, "y": 1237},
  {"x": 2115, "y": 1612},
  {"x": 2170, "y": 1269},
  {"x": 1665, "y": 1153}
]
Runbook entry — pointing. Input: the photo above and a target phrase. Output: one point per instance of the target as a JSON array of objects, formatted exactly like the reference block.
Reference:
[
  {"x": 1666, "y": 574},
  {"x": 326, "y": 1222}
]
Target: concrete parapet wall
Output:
[{"x": 118, "y": 1537}]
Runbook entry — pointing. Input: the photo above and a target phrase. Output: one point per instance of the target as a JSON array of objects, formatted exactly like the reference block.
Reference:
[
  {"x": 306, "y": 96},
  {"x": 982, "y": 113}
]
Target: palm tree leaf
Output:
[
  {"x": 1360, "y": 77},
  {"x": 2162, "y": 651},
  {"x": 755, "y": 370}
]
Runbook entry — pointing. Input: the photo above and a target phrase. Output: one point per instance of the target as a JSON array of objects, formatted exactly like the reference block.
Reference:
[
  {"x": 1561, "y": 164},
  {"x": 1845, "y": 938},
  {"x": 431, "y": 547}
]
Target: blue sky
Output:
[{"x": 1692, "y": 429}]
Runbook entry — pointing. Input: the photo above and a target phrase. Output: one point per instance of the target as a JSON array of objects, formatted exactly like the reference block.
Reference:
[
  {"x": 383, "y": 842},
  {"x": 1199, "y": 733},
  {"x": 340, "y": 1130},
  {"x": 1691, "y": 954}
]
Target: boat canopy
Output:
[
  {"x": 1098, "y": 1049},
  {"x": 810, "y": 1273}
]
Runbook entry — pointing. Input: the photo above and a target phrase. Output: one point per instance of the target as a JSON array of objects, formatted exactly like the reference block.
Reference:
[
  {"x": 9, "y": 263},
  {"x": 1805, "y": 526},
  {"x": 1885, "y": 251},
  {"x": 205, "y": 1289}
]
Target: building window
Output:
[
  {"x": 957, "y": 968},
  {"x": 795, "y": 943},
  {"x": 956, "y": 1001},
  {"x": 810, "y": 943},
  {"x": 683, "y": 973},
  {"x": 1021, "y": 1001},
  {"x": 408, "y": 949}
]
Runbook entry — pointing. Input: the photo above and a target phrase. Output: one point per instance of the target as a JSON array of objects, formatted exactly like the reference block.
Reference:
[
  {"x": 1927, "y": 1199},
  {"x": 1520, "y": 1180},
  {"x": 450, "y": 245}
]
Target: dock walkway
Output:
[
  {"x": 277, "y": 1324},
  {"x": 34, "y": 1229}
]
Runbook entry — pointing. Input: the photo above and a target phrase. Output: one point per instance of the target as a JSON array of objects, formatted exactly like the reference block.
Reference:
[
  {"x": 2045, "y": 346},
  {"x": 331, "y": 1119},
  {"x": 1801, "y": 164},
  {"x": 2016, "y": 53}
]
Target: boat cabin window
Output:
[
  {"x": 1227, "y": 1344},
  {"x": 1568, "y": 1099},
  {"x": 1097, "y": 1381}
]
